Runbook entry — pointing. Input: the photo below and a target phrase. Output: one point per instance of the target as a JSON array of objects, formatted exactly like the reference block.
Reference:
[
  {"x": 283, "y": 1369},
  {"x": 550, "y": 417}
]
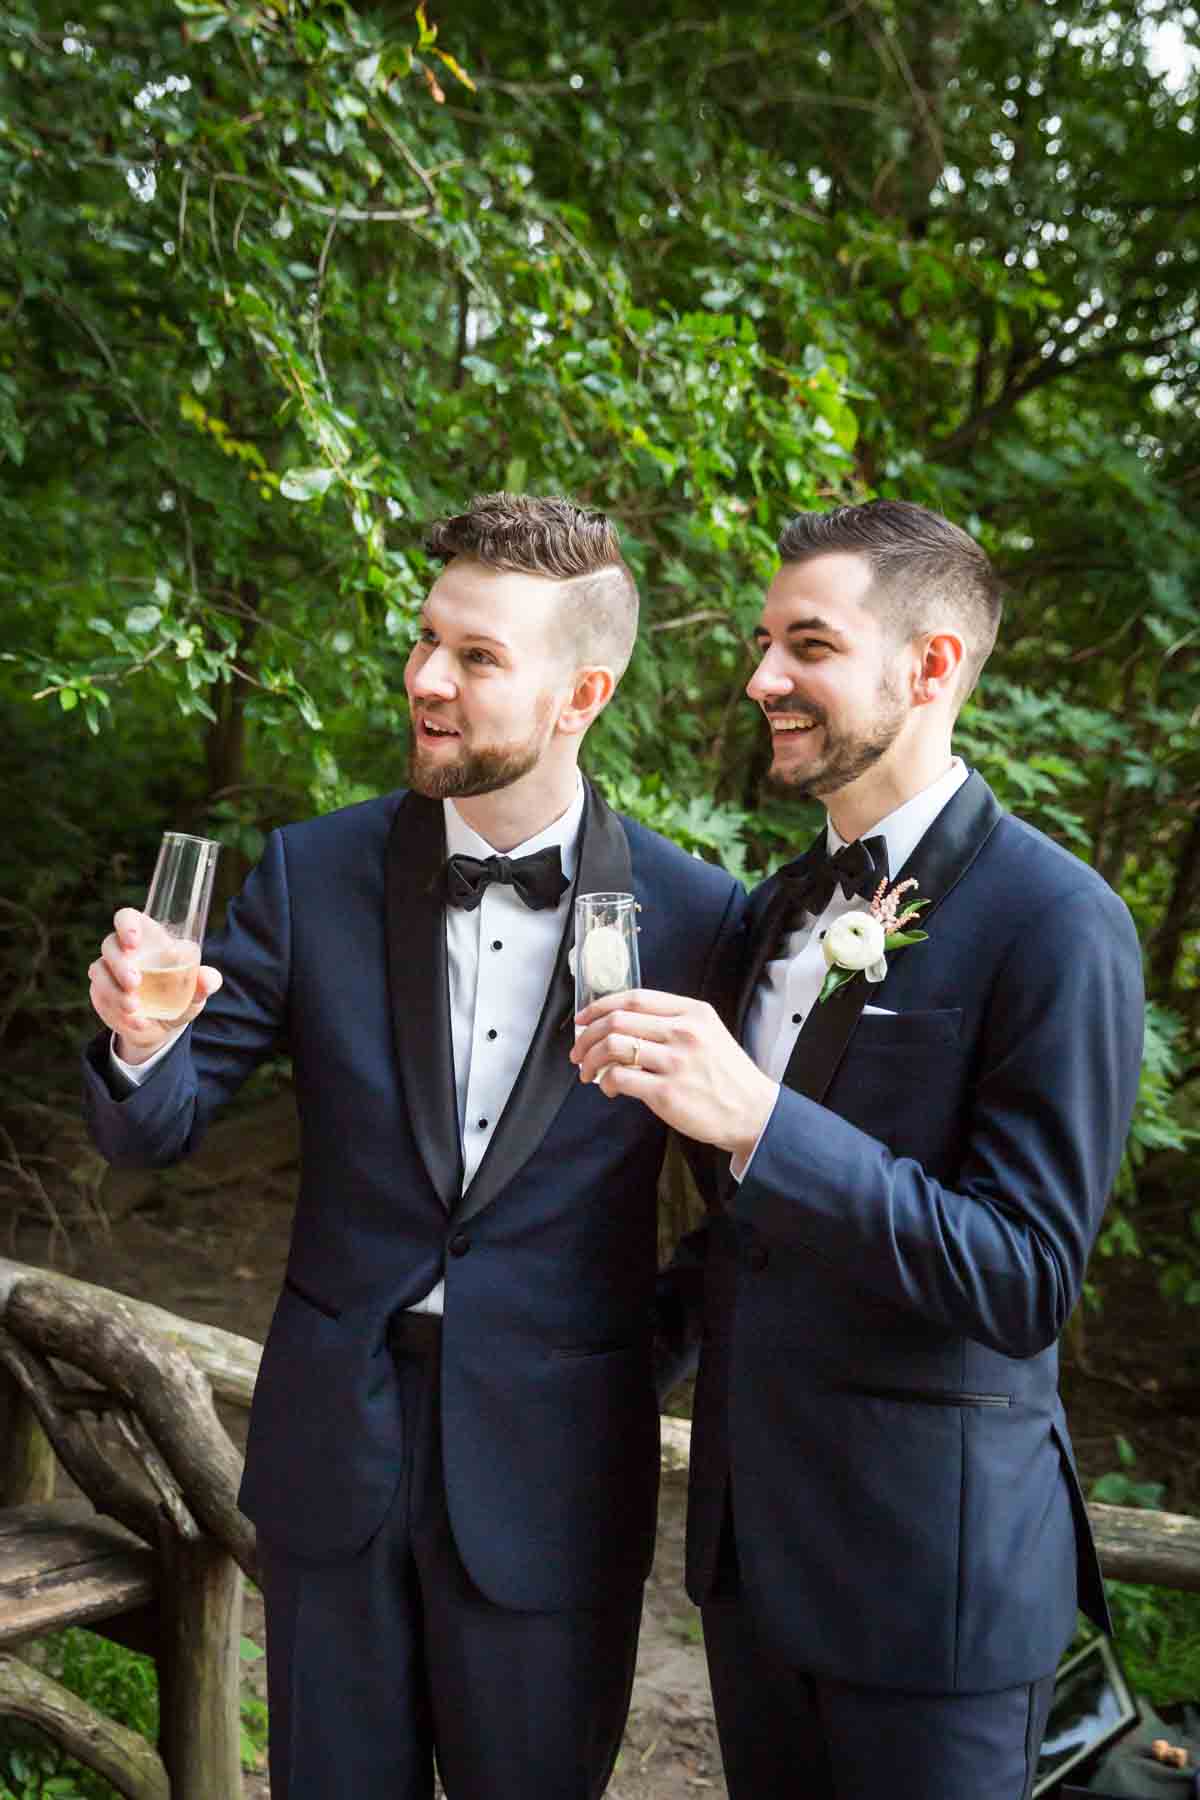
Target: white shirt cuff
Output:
[
  {"x": 740, "y": 1171},
  {"x": 136, "y": 1073}
]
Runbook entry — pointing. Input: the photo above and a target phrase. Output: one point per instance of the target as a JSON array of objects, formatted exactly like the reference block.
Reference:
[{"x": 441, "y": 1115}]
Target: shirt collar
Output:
[
  {"x": 461, "y": 840},
  {"x": 904, "y": 828}
]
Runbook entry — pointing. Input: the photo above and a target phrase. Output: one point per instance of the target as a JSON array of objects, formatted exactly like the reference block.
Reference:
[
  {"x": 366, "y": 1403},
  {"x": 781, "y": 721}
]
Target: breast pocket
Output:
[{"x": 908, "y": 1030}]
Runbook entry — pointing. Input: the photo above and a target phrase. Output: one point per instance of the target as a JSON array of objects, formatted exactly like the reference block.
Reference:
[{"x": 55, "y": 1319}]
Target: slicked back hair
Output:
[
  {"x": 925, "y": 571},
  {"x": 551, "y": 537}
]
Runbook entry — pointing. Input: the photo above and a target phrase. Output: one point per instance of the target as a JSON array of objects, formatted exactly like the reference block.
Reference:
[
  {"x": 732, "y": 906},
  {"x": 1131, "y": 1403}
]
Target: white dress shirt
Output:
[
  {"x": 499, "y": 958},
  {"x": 789, "y": 985}
]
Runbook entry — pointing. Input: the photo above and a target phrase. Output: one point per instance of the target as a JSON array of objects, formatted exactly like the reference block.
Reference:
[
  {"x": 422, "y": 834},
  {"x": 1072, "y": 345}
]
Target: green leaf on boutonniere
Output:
[
  {"x": 898, "y": 939},
  {"x": 835, "y": 979}
]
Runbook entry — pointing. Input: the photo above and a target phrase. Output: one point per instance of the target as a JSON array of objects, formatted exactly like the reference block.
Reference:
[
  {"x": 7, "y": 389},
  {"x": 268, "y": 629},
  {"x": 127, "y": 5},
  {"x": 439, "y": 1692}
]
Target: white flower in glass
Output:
[{"x": 605, "y": 960}]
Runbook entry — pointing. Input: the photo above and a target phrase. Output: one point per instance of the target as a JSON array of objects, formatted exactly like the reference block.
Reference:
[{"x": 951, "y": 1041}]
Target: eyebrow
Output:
[
  {"x": 799, "y": 625},
  {"x": 471, "y": 637}
]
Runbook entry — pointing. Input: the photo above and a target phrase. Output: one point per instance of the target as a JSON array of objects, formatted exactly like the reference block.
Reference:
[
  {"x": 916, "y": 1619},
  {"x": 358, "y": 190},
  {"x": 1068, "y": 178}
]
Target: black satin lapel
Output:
[
  {"x": 761, "y": 939},
  {"x": 938, "y": 864},
  {"x": 419, "y": 987},
  {"x": 951, "y": 844},
  {"x": 547, "y": 1074}
]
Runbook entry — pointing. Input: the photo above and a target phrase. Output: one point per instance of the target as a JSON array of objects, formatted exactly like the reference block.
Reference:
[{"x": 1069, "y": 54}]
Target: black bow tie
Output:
[
  {"x": 538, "y": 879},
  {"x": 856, "y": 868}
]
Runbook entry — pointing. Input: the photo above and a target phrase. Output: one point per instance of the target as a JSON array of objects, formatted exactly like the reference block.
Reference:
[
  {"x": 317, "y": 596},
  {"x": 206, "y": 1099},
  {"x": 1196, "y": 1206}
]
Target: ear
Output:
[
  {"x": 591, "y": 691},
  {"x": 936, "y": 676}
]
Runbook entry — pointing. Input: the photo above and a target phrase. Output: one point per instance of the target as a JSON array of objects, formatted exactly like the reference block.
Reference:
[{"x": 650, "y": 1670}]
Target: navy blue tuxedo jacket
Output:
[
  {"x": 335, "y": 951},
  {"x": 885, "y": 1291}
]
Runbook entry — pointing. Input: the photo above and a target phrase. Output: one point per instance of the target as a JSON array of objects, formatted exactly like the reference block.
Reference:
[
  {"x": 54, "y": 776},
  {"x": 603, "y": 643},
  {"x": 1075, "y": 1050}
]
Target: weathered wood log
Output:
[
  {"x": 26, "y": 1456},
  {"x": 83, "y": 1459},
  {"x": 62, "y": 1565},
  {"x": 1155, "y": 1548},
  {"x": 122, "y": 1757},
  {"x": 161, "y": 1383},
  {"x": 199, "y": 1668},
  {"x": 229, "y": 1361}
]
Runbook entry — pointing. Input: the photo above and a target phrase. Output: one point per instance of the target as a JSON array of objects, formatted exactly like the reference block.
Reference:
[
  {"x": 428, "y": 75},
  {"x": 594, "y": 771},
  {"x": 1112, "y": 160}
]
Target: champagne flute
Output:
[
  {"x": 606, "y": 947},
  {"x": 173, "y": 921}
]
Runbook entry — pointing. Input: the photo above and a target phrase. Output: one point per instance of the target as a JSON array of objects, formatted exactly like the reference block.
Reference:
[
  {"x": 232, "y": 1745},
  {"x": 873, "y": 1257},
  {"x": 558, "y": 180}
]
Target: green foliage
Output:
[
  {"x": 117, "y": 1682},
  {"x": 278, "y": 284},
  {"x": 1157, "y": 1631}
]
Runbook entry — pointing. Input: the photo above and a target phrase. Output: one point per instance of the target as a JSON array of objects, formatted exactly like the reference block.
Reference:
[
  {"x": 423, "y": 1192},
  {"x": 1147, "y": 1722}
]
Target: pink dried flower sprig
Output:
[{"x": 885, "y": 904}]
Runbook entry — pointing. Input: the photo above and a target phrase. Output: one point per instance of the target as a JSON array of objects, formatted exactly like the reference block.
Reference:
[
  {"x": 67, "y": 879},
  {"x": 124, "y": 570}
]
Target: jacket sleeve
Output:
[
  {"x": 998, "y": 1256},
  {"x": 241, "y": 1025}
]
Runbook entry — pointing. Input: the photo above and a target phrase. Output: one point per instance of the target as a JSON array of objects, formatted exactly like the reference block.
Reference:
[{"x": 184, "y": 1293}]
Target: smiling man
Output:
[
  {"x": 886, "y": 1533},
  {"x": 453, "y": 1452}
]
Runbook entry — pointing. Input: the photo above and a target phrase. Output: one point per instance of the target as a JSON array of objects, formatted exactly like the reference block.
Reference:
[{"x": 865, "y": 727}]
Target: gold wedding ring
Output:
[{"x": 637, "y": 1051}]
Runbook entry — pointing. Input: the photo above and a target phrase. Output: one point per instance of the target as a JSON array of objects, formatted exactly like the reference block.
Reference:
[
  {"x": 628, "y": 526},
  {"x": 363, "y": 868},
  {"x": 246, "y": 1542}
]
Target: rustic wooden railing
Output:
[
  {"x": 167, "y": 1576},
  {"x": 120, "y": 1394}
]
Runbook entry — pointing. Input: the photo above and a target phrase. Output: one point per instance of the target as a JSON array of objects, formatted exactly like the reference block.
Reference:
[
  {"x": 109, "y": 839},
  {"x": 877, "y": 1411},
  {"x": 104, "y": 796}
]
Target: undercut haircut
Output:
[
  {"x": 925, "y": 572},
  {"x": 526, "y": 534}
]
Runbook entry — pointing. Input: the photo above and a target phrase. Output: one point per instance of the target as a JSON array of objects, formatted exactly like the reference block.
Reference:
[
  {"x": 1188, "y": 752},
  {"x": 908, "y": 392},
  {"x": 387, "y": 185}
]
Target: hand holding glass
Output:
[{"x": 173, "y": 922}]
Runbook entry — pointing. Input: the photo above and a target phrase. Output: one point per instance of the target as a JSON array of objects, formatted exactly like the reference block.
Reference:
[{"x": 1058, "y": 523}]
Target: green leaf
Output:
[
  {"x": 308, "y": 483},
  {"x": 141, "y": 619},
  {"x": 68, "y": 699},
  {"x": 307, "y": 179}
]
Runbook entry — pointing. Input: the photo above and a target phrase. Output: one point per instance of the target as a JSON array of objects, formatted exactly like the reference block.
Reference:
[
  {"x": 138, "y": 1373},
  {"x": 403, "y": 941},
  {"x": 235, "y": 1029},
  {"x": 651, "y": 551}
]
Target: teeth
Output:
[{"x": 793, "y": 724}]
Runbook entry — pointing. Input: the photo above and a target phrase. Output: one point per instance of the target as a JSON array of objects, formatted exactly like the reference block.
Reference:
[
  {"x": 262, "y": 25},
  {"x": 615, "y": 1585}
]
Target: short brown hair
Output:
[
  {"x": 924, "y": 570},
  {"x": 552, "y": 537}
]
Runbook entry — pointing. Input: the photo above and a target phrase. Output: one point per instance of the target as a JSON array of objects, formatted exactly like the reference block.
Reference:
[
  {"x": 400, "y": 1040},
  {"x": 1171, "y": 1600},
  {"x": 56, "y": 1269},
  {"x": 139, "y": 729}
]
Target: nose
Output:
[
  {"x": 768, "y": 682},
  {"x": 429, "y": 675}
]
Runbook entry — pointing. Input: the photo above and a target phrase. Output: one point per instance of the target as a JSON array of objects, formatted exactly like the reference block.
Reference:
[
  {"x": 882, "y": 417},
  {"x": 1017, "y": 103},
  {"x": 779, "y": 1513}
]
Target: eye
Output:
[
  {"x": 426, "y": 635},
  {"x": 813, "y": 647},
  {"x": 480, "y": 656}
]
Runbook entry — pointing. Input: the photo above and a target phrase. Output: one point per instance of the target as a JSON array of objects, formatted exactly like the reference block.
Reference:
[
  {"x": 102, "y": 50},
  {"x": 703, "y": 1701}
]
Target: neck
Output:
[
  {"x": 857, "y": 808},
  {"x": 512, "y": 814}
]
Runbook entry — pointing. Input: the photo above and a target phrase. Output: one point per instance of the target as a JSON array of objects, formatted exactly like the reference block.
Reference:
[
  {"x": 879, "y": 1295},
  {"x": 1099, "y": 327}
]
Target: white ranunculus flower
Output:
[
  {"x": 605, "y": 960},
  {"x": 855, "y": 941}
]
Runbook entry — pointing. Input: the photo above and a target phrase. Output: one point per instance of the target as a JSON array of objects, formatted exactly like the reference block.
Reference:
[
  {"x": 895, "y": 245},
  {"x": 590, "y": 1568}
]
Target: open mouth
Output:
[
  {"x": 783, "y": 722},
  {"x": 431, "y": 731}
]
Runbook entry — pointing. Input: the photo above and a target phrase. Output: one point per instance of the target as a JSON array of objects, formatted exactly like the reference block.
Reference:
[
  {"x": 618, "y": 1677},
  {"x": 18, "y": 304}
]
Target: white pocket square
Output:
[{"x": 880, "y": 1012}]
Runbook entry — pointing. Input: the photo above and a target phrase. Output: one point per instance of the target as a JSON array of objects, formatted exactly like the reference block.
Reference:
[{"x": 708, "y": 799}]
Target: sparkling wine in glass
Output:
[{"x": 173, "y": 921}]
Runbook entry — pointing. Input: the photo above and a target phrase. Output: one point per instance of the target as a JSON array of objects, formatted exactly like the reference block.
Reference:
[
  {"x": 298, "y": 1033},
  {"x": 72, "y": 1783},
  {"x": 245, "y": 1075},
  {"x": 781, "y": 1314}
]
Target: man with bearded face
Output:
[
  {"x": 886, "y": 1534},
  {"x": 453, "y": 1451}
]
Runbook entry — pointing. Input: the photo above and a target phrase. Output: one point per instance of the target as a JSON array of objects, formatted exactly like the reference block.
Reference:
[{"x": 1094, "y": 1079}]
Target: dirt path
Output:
[{"x": 216, "y": 1255}]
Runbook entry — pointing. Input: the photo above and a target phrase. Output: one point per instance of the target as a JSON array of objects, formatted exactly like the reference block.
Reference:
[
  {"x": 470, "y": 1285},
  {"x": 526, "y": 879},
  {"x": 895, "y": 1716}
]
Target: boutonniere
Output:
[{"x": 856, "y": 943}]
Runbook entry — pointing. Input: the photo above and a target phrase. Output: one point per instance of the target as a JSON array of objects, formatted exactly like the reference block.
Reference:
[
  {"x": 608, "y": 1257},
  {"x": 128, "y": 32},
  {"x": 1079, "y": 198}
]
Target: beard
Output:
[
  {"x": 480, "y": 771},
  {"x": 848, "y": 753}
]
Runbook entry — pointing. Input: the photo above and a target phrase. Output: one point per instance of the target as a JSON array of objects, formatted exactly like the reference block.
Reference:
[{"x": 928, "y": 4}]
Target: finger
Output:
[
  {"x": 116, "y": 1004},
  {"x": 628, "y": 1023},
  {"x": 634, "y": 1084},
  {"x": 208, "y": 981},
  {"x": 641, "y": 1000},
  {"x": 623, "y": 1051},
  {"x": 127, "y": 924},
  {"x": 120, "y": 964}
]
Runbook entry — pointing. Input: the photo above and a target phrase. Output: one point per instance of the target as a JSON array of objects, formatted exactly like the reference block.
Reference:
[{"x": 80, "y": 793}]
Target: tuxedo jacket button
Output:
[
  {"x": 459, "y": 1244},
  {"x": 757, "y": 1257}
]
